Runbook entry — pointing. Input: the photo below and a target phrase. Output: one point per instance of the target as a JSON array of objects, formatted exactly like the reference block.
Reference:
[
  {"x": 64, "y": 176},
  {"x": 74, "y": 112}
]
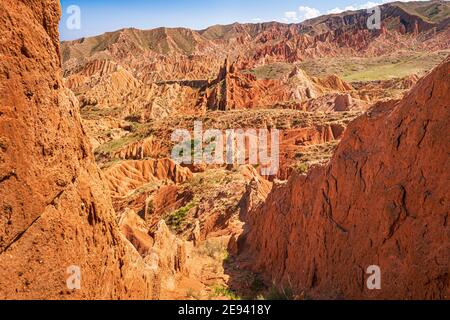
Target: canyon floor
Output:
[{"x": 349, "y": 104}]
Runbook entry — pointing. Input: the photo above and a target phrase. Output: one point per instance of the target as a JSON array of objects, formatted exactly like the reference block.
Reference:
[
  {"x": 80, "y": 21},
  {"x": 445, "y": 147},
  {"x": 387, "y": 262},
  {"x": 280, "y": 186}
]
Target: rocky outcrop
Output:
[
  {"x": 382, "y": 200},
  {"x": 130, "y": 175},
  {"x": 146, "y": 148},
  {"x": 136, "y": 231},
  {"x": 163, "y": 253},
  {"x": 234, "y": 90},
  {"x": 55, "y": 210}
]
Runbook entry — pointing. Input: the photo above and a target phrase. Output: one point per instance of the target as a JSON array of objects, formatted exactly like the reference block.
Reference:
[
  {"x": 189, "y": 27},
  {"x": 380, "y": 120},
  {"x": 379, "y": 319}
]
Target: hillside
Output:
[
  {"x": 382, "y": 200},
  {"x": 198, "y": 54}
]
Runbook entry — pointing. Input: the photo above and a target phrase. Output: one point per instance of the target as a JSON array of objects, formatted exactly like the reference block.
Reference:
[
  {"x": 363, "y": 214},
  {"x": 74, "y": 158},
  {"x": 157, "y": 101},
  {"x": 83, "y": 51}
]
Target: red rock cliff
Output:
[
  {"x": 383, "y": 200},
  {"x": 54, "y": 208}
]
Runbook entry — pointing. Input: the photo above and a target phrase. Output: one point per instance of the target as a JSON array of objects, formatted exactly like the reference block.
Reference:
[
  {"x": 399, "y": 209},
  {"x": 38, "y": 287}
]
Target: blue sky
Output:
[{"x": 99, "y": 16}]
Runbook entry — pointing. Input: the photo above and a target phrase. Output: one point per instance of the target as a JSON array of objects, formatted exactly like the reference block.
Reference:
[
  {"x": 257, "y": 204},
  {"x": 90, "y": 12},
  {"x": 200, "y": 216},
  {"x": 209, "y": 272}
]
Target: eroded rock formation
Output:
[
  {"x": 232, "y": 90},
  {"x": 383, "y": 200},
  {"x": 55, "y": 208},
  {"x": 147, "y": 228},
  {"x": 179, "y": 53}
]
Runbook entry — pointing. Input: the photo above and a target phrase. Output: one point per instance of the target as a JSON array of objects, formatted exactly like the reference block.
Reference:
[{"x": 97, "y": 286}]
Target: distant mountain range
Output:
[{"x": 199, "y": 54}]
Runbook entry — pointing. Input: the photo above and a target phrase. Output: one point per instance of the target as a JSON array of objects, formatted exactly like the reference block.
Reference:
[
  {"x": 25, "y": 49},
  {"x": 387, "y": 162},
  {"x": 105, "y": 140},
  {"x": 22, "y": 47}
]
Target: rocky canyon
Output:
[{"x": 88, "y": 180}]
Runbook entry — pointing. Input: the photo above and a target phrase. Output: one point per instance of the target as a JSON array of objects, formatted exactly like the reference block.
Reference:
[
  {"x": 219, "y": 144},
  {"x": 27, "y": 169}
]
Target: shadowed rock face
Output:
[
  {"x": 383, "y": 200},
  {"x": 54, "y": 208}
]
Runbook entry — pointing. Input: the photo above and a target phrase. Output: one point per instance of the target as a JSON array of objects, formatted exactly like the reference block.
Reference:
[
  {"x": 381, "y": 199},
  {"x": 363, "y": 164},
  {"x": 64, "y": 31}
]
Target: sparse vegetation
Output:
[
  {"x": 133, "y": 118},
  {"x": 227, "y": 258},
  {"x": 355, "y": 69},
  {"x": 214, "y": 250},
  {"x": 301, "y": 168},
  {"x": 272, "y": 71},
  {"x": 279, "y": 293},
  {"x": 137, "y": 132},
  {"x": 117, "y": 144},
  {"x": 430, "y": 12},
  {"x": 176, "y": 220},
  {"x": 312, "y": 155},
  {"x": 94, "y": 112},
  {"x": 191, "y": 293},
  {"x": 146, "y": 188},
  {"x": 221, "y": 291}
]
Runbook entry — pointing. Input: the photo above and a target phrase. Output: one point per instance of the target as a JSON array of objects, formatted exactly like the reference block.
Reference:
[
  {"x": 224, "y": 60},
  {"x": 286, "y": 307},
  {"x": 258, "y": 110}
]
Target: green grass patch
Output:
[
  {"x": 117, "y": 144},
  {"x": 272, "y": 71},
  {"x": 429, "y": 11},
  {"x": 94, "y": 112},
  {"x": 276, "y": 293},
  {"x": 355, "y": 69},
  {"x": 215, "y": 250},
  {"x": 176, "y": 220},
  {"x": 138, "y": 132},
  {"x": 221, "y": 291},
  {"x": 301, "y": 168}
]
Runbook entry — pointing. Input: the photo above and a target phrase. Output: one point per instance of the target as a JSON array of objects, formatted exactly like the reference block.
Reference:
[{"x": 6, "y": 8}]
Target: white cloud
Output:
[
  {"x": 355, "y": 7},
  {"x": 303, "y": 13},
  {"x": 308, "y": 13},
  {"x": 290, "y": 16},
  {"x": 256, "y": 20},
  {"x": 333, "y": 11},
  {"x": 367, "y": 5}
]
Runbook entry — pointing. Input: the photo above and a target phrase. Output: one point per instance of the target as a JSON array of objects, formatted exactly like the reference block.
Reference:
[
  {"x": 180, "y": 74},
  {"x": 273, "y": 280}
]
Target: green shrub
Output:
[
  {"x": 226, "y": 292},
  {"x": 176, "y": 220},
  {"x": 214, "y": 250},
  {"x": 302, "y": 168}
]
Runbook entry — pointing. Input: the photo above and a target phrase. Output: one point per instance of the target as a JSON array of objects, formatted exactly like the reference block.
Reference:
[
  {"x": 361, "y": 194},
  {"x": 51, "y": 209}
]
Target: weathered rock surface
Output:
[
  {"x": 129, "y": 175},
  {"x": 383, "y": 200},
  {"x": 152, "y": 74},
  {"x": 55, "y": 207},
  {"x": 233, "y": 90}
]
